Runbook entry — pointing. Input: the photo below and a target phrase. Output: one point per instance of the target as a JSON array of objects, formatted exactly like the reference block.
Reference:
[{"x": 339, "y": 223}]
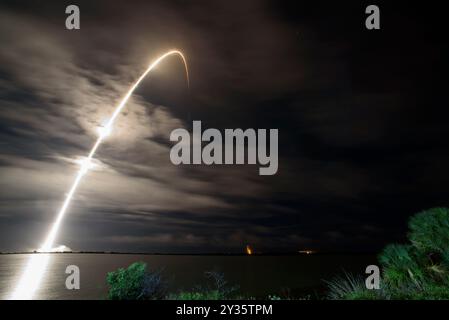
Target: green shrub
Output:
[
  {"x": 135, "y": 283},
  {"x": 400, "y": 266},
  {"x": 429, "y": 231},
  {"x": 419, "y": 270}
]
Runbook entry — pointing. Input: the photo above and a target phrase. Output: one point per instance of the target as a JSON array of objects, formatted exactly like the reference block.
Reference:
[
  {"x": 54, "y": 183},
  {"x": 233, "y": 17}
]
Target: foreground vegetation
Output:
[
  {"x": 417, "y": 270},
  {"x": 138, "y": 283}
]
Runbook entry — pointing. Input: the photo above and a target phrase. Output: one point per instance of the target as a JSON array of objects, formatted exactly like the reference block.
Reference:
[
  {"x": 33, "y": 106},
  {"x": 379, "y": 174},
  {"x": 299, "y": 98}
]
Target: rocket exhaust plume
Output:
[{"x": 37, "y": 264}]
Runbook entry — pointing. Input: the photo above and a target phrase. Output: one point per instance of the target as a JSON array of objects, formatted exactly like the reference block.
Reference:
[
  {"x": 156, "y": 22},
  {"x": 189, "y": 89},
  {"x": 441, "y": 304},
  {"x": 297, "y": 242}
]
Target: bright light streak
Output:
[
  {"x": 104, "y": 132},
  {"x": 86, "y": 165},
  {"x": 31, "y": 277},
  {"x": 37, "y": 264}
]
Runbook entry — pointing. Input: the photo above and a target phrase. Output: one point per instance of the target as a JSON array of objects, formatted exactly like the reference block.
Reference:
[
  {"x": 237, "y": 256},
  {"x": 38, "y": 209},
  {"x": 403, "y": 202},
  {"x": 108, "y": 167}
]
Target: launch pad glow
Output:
[{"x": 35, "y": 269}]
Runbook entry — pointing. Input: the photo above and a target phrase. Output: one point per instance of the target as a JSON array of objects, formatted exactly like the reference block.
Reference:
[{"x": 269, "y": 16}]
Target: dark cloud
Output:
[{"x": 361, "y": 119}]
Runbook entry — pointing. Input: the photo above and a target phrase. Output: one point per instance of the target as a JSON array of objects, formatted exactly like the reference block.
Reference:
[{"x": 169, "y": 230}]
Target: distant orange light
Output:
[{"x": 249, "y": 250}]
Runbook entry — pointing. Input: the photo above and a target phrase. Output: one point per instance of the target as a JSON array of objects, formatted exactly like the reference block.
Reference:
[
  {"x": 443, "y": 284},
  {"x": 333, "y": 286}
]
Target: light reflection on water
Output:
[{"x": 255, "y": 275}]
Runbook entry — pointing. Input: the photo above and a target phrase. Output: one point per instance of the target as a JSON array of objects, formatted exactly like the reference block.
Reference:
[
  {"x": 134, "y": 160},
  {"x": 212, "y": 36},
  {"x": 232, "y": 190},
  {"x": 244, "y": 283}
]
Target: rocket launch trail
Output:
[{"x": 35, "y": 269}]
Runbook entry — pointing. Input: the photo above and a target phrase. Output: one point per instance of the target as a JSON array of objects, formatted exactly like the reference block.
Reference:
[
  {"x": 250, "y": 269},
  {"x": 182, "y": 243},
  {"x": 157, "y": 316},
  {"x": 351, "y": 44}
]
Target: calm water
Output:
[{"x": 256, "y": 275}]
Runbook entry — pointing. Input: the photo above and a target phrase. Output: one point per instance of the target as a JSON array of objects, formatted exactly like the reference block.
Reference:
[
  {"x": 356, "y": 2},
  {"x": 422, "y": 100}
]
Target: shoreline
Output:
[{"x": 198, "y": 254}]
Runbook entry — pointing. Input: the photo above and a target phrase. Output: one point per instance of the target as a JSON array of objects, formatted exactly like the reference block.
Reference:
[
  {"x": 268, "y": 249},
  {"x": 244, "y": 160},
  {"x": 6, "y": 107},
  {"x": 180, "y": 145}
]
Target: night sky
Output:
[{"x": 362, "y": 118}]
